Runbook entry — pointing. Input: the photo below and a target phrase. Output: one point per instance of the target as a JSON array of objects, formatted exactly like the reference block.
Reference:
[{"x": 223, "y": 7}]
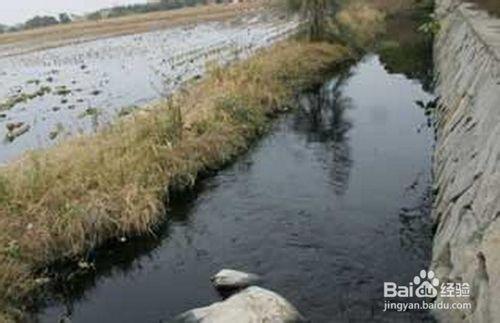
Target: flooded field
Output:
[
  {"x": 328, "y": 206},
  {"x": 49, "y": 95}
]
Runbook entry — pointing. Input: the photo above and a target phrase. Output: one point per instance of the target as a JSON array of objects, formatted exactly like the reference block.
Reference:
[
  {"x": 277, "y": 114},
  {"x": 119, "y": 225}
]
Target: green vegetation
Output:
[
  {"x": 431, "y": 26},
  {"x": 23, "y": 97},
  {"x": 64, "y": 18},
  {"x": 89, "y": 112},
  {"x": 58, "y": 203},
  {"x": 62, "y": 90},
  {"x": 40, "y": 21}
]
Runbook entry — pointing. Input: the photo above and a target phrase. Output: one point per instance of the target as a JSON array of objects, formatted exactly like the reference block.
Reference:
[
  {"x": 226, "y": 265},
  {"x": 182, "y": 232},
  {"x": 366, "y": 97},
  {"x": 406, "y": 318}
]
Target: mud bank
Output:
[{"x": 466, "y": 165}]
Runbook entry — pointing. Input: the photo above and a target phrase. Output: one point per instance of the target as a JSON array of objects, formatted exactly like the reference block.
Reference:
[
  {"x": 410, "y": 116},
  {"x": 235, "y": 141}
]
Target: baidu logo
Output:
[
  {"x": 427, "y": 284},
  {"x": 426, "y": 288},
  {"x": 424, "y": 285}
]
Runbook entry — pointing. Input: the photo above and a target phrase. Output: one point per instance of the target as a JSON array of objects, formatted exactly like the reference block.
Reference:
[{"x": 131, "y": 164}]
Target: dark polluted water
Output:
[{"x": 326, "y": 207}]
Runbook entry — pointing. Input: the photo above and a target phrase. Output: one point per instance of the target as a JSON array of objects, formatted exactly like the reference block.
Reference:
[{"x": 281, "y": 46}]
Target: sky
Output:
[{"x": 16, "y": 11}]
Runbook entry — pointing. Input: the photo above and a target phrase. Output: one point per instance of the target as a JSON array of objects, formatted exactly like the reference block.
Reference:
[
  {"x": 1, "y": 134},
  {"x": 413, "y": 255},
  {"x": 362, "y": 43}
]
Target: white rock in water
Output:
[
  {"x": 251, "y": 305},
  {"x": 228, "y": 278}
]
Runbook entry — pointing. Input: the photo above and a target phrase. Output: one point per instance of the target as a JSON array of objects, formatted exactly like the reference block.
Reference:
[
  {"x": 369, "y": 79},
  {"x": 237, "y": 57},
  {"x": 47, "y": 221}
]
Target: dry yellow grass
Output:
[
  {"x": 63, "y": 201},
  {"x": 60, "y": 35},
  {"x": 357, "y": 23}
]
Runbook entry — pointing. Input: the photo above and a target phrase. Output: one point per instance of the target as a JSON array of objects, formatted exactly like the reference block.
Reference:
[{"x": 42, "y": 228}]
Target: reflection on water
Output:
[
  {"x": 322, "y": 123},
  {"x": 328, "y": 206}
]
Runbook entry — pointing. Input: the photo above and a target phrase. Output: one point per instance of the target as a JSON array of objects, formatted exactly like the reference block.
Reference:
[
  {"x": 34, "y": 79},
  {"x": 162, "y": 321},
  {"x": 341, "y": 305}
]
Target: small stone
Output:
[
  {"x": 42, "y": 280},
  {"x": 232, "y": 279}
]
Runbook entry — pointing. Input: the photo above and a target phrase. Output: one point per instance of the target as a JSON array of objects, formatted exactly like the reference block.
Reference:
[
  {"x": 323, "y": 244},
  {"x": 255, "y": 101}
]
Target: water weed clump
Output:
[{"x": 61, "y": 202}]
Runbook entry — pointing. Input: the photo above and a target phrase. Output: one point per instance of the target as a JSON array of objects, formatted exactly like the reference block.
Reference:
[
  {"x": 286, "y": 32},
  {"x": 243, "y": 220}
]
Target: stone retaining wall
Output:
[{"x": 467, "y": 159}]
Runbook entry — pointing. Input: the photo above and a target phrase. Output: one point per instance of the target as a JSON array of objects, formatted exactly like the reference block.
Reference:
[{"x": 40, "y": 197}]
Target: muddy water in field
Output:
[
  {"x": 77, "y": 89},
  {"x": 330, "y": 204}
]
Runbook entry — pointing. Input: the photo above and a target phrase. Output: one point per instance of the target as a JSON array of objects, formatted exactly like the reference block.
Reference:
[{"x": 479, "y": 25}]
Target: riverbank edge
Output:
[
  {"x": 62, "y": 202},
  {"x": 467, "y": 177}
]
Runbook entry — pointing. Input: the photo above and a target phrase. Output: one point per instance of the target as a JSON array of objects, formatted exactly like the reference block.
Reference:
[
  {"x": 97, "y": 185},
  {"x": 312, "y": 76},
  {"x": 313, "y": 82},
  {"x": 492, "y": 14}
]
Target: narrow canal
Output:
[{"x": 330, "y": 204}]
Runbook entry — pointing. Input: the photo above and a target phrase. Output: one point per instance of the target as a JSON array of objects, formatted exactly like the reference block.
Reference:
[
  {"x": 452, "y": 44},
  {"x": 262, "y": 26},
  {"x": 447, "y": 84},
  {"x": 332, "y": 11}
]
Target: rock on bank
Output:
[{"x": 252, "y": 305}]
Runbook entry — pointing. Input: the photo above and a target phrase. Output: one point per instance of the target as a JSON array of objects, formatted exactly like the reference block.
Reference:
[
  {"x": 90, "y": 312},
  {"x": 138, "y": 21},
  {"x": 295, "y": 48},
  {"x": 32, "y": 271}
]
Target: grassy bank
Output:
[{"x": 61, "y": 202}]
